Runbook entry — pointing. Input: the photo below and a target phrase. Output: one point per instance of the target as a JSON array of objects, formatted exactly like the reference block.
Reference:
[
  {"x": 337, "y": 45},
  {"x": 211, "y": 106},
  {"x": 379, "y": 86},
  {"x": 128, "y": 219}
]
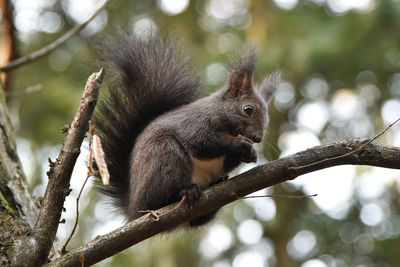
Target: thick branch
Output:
[
  {"x": 18, "y": 211},
  {"x": 255, "y": 179},
  {"x": 54, "y": 45},
  {"x": 37, "y": 247}
]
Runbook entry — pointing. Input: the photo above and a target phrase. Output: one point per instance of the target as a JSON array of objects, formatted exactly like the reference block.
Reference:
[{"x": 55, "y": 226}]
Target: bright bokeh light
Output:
[
  {"x": 389, "y": 228},
  {"x": 250, "y": 231},
  {"x": 26, "y": 20},
  {"x": 361, "y": 127},
  {"x": 313, "y": 115},
  {"x": 265, "y": 246},
  {"x": 32, "y": 16},
  {"x": 334, "y": 187},
  {"x": 223, "y": 263},
  {"x": 301, "y": 244},
  {"x": 50, "y": 22},
  {"x": 108, "y": 218},
  {"x": 346, "y": 105},
  {"x": 143, "y": 26},
  {"x": 216, "y": 73},
  {"x": 314, "y": 263},
  {"x": 264, "y": 207},
  {"x": 284, "y": 97},
  {"x": 295, "y": 141},
  {"x": 173, "y": 7},
  {"x": 218, "y": 239},
  {"x": 364, "y": 244},
  {"x": 315, "y": 87},
  {"x": 43, "y": 154},
  {"x": 396, "y": 137},
  {"x": 242, "y": 212},
  {"x": 96, "y": 25},
  {"x": 25, "y": 153},
  {"x": 369, "y": 187},
  {"x": 359, "y": 4},
  {"x": 224, "y": 9},
  {"x": 80, "y": 11},
  {"x": 60, "y": 59},
  {"x": 343, "y": 6},
  {"x": 337, "y": 7},
  {"x": 286, "y": 4},
  {"x": 373, "y": 213},
  {"x": 370, "y": 93},
  {"x": 249, "y": 258},
  {"x": 390, "y": 111}
]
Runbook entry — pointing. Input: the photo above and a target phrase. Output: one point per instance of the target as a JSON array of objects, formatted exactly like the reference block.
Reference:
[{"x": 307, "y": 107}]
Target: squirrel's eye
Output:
[{"x": 248, "y": 109}]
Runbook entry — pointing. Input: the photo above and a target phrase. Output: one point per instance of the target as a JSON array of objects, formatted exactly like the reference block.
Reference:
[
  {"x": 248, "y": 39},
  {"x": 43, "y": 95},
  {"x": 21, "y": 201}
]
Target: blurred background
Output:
[{"x": 340, "y": 63}]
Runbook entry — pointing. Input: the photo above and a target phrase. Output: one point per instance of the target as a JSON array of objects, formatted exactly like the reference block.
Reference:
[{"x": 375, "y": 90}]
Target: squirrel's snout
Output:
[{"x": 257, "y": 138}]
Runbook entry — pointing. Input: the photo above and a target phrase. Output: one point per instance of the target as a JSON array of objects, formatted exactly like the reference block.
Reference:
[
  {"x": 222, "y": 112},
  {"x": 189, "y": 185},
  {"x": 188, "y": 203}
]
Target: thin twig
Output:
[
  {"x": 54, "y": 45},
  {"x": 158, "y": 216},
  {"x": 28, "y": 90},
  {"x": 349, "y": 153},
  {"x": 51, "y": 255},
  {"x": 153, "y": 213},
  {"x": 6, "y": 219},
  {"x": 176, "y": 207},
  {"x": 281, "y": 196},
  {"x": 89, "y": 173}
]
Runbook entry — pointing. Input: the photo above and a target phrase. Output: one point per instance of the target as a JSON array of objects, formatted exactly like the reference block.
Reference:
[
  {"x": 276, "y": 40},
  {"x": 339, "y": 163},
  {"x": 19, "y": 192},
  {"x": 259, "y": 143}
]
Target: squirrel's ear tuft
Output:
[
  {"x": 269, "y": 85},
  {"x": 240, "y": 76}
]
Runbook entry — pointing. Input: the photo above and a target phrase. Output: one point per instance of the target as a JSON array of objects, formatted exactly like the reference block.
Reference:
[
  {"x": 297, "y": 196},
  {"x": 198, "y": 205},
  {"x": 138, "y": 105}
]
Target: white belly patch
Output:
[{"x": 207, "y": 170}]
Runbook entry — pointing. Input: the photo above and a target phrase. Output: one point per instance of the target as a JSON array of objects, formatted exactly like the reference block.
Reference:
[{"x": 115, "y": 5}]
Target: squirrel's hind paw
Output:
[{"x": 192, "y": 194}]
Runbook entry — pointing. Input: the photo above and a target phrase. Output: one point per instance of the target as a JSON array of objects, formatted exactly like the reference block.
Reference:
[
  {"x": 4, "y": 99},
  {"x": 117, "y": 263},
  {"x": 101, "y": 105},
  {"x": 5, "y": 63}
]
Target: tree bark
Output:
[{"x": 18, "y": 210}]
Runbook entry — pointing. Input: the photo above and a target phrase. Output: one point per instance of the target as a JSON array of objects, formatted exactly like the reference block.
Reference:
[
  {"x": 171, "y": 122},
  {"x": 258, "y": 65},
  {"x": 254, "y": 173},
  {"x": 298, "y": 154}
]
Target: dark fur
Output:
[{"x": 155, "y": 133}]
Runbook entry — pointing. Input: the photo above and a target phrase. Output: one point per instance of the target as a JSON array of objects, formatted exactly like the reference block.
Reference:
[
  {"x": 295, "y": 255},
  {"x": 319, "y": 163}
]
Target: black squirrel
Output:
[{"x": 161, "y": 141}]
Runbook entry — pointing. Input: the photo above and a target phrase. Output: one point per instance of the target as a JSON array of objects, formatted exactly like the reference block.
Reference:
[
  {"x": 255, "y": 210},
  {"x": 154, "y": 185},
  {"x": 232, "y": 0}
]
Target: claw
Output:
[{"x": 192, "y": 193}]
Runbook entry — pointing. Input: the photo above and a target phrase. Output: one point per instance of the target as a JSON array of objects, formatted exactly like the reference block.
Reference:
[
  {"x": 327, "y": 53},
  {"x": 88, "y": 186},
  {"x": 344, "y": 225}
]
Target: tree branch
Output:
[
  {"x": 54, "y": 45},
  {"x": 266, "y": 175},
  {"x": 35, "y": 249},
  {"x": 18, "y": 210}
]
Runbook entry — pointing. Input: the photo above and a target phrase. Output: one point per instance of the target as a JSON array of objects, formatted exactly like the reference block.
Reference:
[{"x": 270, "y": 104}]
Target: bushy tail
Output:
[{"x": 150, "y": 76}]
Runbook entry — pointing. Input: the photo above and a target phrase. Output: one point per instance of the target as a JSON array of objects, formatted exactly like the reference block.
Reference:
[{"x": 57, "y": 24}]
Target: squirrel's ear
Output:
[
  {"x": 269, "y": 85},
  {"x": 240, "y": 78},
  {"x": 238, "y": 83}
]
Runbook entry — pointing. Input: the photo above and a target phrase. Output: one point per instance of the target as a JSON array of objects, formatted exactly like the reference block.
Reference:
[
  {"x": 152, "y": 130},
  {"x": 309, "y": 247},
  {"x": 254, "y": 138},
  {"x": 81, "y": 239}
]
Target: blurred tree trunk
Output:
[
  {"x": 18, "y": 210},
  {"x": 7, "y": 41}
]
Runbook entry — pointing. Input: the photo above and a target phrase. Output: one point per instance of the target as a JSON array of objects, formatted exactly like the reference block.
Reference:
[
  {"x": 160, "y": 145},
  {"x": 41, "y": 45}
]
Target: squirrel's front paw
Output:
[
  {"x": 192, "y": 194},
  {"x": 246, "y": 151}
]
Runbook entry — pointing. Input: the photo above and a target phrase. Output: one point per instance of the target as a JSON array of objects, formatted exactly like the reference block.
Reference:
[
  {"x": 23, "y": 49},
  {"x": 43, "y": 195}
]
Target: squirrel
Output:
[{"x": 161, "y": 140}]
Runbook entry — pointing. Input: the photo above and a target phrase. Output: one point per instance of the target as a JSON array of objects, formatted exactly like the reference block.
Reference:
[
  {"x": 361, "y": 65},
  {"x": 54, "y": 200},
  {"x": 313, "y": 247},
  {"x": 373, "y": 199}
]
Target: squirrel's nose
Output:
[{"x": 257, "y": 138}]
